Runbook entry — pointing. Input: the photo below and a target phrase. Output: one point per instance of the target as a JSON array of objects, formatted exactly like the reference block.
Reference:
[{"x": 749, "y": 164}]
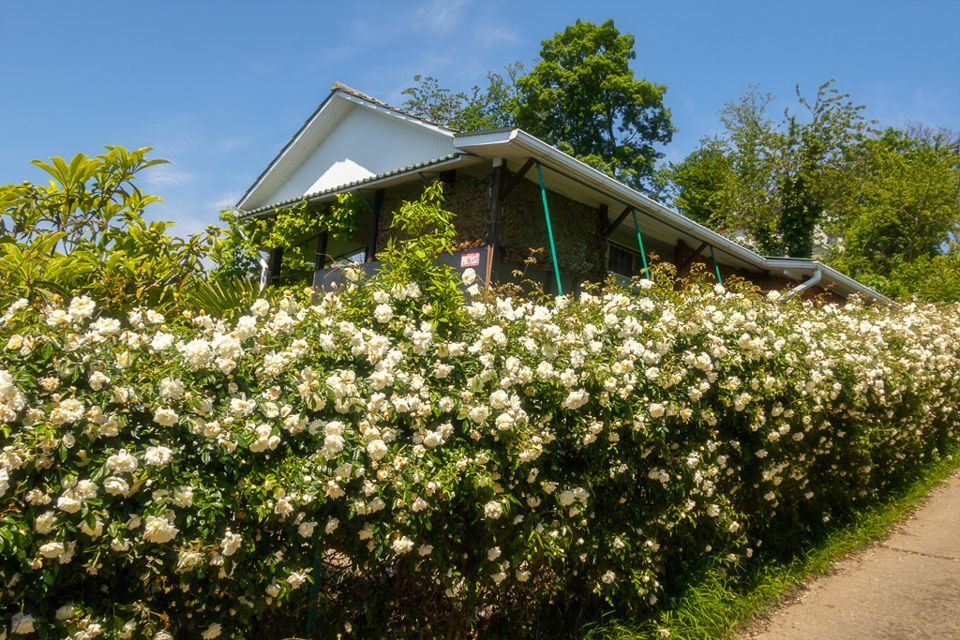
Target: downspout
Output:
[{"x": 806, "y": 284}]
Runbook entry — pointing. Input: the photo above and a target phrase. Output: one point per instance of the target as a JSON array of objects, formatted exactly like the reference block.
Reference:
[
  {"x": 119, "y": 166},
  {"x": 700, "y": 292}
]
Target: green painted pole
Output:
[
  {"x": 716, "y": 267},
  {"x": 643, "y": 252},
  {"x": 546, "y": 214}
]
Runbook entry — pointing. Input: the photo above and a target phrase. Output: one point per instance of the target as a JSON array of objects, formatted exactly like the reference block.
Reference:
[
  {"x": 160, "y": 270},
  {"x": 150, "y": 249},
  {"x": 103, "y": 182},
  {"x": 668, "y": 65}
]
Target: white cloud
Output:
[
  {"x": 441, "y": 16},
  {"x": 165, "y": 175},
  {"x": 495, "y": 36}
]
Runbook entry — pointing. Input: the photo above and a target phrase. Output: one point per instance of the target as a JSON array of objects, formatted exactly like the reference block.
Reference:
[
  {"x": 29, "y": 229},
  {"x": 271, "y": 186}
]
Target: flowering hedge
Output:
[{"x": 347, "y": 467}]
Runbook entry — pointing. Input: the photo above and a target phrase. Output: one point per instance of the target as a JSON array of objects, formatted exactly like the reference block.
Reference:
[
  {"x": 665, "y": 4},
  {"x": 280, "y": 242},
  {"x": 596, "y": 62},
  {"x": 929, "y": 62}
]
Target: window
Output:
[{"x": 623, "y": 261}]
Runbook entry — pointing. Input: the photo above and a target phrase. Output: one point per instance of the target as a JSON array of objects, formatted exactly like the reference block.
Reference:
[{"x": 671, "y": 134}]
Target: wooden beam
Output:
[
  {"x": 603, "y": 219},
  {"x": 275, "y": 262},
  {"x": 499, "y": 178},
  {"x": 320, "y": 257},
  {"x": 513, "y": 180},
  {"x": 616, "y": 223},
  {"x": 683, "y": 265},
  {"x": 371, "y": 250}
]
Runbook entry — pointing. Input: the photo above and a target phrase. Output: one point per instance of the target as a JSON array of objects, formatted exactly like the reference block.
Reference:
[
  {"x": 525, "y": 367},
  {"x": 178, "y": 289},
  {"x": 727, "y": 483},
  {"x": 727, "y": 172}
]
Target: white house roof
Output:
[
  {"x": 578, "y": 181},
  {"x": 353, "y": 140},
  {"x": 351, "y": 136}
]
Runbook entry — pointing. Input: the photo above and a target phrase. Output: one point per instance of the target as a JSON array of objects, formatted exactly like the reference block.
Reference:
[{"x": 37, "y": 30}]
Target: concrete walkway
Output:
[{"x": 907, "y": 586}]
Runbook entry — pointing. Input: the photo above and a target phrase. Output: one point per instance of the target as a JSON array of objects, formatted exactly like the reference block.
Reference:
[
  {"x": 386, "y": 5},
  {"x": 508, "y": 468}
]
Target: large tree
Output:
[
  {"x": 581, "y": 95},
  {"x": 774, "y": 183},
  {"x": 899, "y": 227}
]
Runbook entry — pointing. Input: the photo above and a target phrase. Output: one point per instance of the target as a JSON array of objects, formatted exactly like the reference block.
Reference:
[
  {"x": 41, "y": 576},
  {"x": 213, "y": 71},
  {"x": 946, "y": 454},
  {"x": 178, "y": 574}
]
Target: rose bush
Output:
[{"x": 344, "y": 466}]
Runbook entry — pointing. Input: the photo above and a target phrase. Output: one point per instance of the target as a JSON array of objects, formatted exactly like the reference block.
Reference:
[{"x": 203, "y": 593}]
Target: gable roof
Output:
[
  {"x": 338, "y": 103},
  {"x": 577, "y": 180},
  {"x": 563, "y": 173}
]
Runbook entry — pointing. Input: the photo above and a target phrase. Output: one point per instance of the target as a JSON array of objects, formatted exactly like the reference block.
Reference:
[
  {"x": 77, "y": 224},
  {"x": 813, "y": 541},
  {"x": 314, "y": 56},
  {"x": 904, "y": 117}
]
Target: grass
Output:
[{"x": 715, "y": 606}]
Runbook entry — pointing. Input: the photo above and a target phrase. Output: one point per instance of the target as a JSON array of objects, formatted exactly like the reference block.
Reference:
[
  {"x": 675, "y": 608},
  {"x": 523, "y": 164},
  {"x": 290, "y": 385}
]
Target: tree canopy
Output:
[
  {"x": 881, "y": 205},
  {"x": 581, "y": 95}
]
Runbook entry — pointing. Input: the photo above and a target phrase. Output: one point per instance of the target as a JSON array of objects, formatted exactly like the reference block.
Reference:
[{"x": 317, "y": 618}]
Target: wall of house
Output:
[{"x": 581, "y": 249}]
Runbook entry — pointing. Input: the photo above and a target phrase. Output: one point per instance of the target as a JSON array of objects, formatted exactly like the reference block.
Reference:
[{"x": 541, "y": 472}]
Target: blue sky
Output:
[{"x": 218, "y": 87}]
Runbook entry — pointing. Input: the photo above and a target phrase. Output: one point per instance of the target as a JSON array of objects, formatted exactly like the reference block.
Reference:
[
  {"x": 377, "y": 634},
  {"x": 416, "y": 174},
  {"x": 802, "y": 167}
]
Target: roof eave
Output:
[{"x": 486, "y": 143}]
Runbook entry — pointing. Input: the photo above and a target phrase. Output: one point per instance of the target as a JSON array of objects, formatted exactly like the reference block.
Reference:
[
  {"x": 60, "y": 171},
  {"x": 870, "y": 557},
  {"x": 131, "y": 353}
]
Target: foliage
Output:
[
  {"x": 293, "y": 228},
  {"x": 487, "y": 108},
  {"x": 583, "y": 97},
  {"x": 901, "y": 218},
  {"x": 779, "y": 183},
  {"x": 85, "y": 232},
  {"x": 423, "y": 230},
  {"x": 342, "y": 460},
  {"x": 719, "y": 603}
]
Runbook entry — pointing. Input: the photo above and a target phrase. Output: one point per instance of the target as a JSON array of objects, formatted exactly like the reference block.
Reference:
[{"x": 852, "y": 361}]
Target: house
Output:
[{"x": 511, "y": 193}]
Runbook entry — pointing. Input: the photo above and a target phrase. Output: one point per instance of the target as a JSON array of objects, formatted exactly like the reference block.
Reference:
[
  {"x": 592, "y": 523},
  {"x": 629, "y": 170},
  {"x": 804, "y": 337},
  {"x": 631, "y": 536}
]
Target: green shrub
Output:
[{"x": 342, "y": 467}]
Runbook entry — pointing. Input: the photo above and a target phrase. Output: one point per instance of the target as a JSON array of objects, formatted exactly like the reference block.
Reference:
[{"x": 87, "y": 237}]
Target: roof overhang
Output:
[
  {"x": 572, "y": 178},
  {"x": 379, "y": 181},
  {"x": 340, "y": 101}
]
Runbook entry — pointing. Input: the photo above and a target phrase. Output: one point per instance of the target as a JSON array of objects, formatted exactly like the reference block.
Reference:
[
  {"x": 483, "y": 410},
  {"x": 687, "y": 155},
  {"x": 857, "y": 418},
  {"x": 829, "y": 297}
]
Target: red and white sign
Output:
[{"x": 471, "y": 259}]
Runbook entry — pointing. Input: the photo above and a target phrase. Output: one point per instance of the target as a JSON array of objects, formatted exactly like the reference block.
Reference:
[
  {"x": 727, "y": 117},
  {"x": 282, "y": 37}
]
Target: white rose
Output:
[
  {"x": 158, "y": 529},
  {"x": 231, "y": 543},
  {"x": 165, "y": 417},
  {"x": 402, "y": 545},
  {"x": 21, "y": 624},
  {"x": 211, "y": 632},
  {"x": 492, "y": 510},
  {"x": 376, "y": 449}
]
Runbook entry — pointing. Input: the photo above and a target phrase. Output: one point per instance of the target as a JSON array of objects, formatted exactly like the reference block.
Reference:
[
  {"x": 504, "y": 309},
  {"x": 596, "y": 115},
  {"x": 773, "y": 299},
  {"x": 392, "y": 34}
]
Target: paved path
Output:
[{"x": 907, "y": 587}]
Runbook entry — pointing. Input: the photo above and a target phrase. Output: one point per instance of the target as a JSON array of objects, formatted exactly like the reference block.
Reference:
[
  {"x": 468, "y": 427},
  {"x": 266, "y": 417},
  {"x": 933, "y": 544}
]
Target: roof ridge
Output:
[{"x": 341, "y": 86}]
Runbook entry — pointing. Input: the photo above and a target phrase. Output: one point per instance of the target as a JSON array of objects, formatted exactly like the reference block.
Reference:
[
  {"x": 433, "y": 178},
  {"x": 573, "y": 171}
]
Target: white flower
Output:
[
  {"x": 98, "y": 380},
  {"x": 69, "y": 502},
  {"x": 331, "y": 525},
  {"x": 161, "y": 341},
  {"x": 376, "y": 449},
  {"x": 493, "y": 553},
  {"x": 383, "y": 313},
  {"x": 52, "y": 550},
  {"x": 157, "y": 456},
  {"x": 197, "y": 353},
  {"x": 469, "y": 276},
  {"x": 122, "y": 462},
  {"x": 211, "y": 632},
  {"x": 22, "y": 624},
  {"x": 115, "y": 486},
  {"x": 45, "y": 522},
  {"x": 81, "y": 308},
  {"x": 296, "y": 579},
  {"x": 163, "y": 635},
  {"x": 306, "y": 529},
  {"x": 260, "y": 308},
  {"x": 231, "y": 543},
  {"x": 170, "y": 388},
  {"x": 492, "y": 510},
  {"x": 402, "y": 545},
  {"x": 65, "y": 612},
  {"x": 576, "y": 399},
  {"x": 158, "y": 529},
  {"x": 608, "y": 577},
  {"x": 68, "y": 410},
  {"x": 165, "y": 417},
  {"x": 657, "y": 410}
]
